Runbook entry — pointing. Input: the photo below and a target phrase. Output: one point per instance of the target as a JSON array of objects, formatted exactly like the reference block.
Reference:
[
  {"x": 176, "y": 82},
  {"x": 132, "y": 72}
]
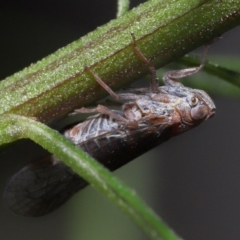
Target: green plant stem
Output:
[
  {"x": 13, "y": 127},
  {"x": 165, "y": 30},
  {"x": 122, "y": 7}
]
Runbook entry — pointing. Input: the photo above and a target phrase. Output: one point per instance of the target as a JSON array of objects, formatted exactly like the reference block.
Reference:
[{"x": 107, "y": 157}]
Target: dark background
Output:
[{"x": 192, "y": 181}]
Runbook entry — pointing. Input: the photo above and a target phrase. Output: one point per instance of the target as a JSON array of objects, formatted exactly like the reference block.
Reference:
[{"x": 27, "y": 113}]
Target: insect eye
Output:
[{"x": 193, "y": 101}]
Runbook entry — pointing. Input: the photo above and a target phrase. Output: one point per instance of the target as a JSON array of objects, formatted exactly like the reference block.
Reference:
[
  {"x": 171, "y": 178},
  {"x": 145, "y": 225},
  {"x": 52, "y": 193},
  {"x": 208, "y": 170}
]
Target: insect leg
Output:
[
  {"x": 170, "y": 78},
  {"x": 153, "y": 74},
  {"x": 103, "y": 110},
  {"x": 103, "y": 84},
  {"x": 125, "y": 96}
]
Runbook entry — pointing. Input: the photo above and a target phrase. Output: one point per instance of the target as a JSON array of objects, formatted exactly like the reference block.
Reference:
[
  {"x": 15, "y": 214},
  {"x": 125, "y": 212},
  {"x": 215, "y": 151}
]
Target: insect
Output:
[{"x": 149, "y": 117}]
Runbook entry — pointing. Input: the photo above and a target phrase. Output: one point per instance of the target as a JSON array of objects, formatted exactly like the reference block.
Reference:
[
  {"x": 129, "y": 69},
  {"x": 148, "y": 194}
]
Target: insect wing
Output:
[
  {"x": 118, "y": 147},
  {"x": 41, "y": 187}
]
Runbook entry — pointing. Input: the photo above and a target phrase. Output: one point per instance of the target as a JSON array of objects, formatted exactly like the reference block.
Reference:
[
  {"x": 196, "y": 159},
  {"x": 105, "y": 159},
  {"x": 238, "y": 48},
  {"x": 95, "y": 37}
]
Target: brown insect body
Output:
[
  {"x": 120, "y": 145},
  {"x": 149, "y": 117}
]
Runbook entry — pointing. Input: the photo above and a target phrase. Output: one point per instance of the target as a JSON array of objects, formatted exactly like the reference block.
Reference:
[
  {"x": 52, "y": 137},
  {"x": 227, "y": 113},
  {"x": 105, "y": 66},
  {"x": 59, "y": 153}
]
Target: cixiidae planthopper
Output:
[{"x": 148, "y": 117}]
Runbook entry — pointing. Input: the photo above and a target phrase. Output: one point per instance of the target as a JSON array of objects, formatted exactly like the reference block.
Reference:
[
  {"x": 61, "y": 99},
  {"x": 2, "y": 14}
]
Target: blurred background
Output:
[{"x": 192, "y": 181}]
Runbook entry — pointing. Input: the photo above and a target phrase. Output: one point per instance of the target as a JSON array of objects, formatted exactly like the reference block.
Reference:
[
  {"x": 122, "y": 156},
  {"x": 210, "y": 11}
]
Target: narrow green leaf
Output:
[
  {"x": 211, "y": 76},
  {"x": 13, "y": 127},
  {"x": 214, "y": 69}
]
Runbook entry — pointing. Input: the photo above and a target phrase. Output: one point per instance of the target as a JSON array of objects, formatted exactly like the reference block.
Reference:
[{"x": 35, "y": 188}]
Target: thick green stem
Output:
[
  {"x": 165, "y": 30},
  {"x": 13, "y": 127}
]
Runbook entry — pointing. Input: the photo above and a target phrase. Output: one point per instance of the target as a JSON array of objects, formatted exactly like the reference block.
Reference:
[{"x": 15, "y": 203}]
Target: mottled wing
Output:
[
  {"x": 41, "y": 187},
  {"x": 121, "y": 146}
]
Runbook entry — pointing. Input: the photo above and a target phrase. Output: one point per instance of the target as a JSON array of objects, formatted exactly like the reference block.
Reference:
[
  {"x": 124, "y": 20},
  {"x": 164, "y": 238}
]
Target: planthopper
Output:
[{"x": 148, "y": 117}]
